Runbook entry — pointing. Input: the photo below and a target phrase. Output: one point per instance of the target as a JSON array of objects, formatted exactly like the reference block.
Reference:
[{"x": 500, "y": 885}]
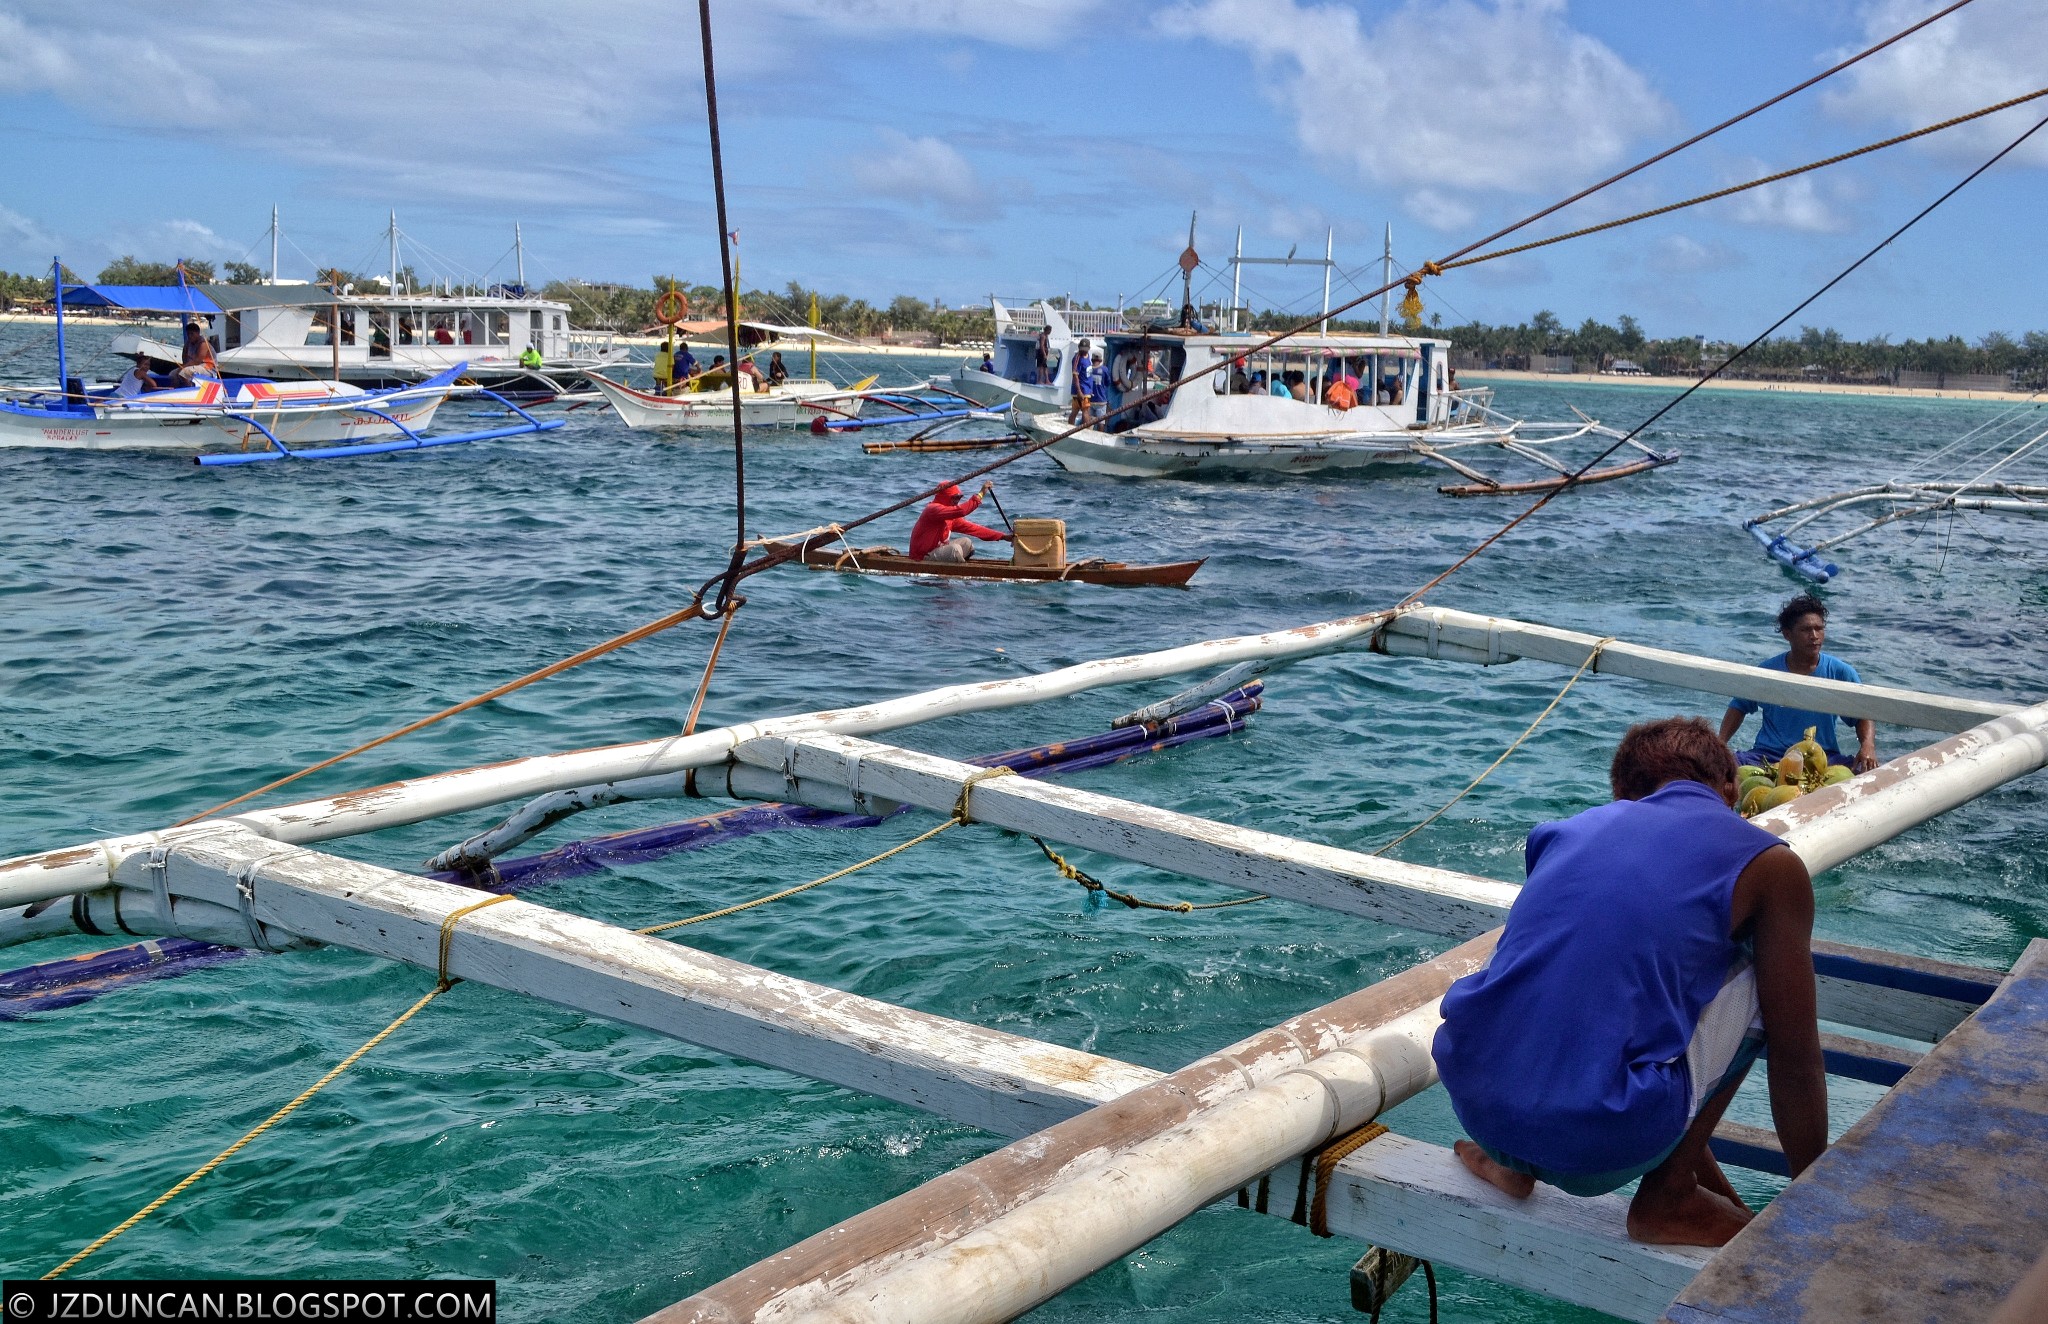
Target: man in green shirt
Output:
[{"x": 529, "y": 357}]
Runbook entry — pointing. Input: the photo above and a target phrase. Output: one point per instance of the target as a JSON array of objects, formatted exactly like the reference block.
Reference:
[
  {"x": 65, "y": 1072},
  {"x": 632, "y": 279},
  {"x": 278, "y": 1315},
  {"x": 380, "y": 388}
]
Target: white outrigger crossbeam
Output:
[{"x": 1113, "y": 1154}]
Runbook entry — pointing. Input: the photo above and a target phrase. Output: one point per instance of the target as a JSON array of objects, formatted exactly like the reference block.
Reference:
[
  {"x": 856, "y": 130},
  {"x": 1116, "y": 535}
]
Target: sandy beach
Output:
[{"x": 1476, "y": 377}]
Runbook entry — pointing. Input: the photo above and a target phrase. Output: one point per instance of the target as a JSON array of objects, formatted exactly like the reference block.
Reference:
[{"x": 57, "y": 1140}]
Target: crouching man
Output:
[{"x": 1659, "y": 942}]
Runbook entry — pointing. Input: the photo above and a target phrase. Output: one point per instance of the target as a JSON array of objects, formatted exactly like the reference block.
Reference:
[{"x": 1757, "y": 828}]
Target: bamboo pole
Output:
[{"x": 26, "y": 880}]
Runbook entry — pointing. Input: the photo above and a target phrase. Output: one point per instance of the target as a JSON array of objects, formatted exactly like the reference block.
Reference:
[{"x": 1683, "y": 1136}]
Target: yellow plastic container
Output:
[{"x": 1040, "y": 542}]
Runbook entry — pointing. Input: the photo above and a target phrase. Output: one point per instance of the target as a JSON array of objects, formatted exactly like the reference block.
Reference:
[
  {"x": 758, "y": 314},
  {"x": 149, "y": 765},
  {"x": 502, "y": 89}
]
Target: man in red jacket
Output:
[{"x": 944, "y": 533}]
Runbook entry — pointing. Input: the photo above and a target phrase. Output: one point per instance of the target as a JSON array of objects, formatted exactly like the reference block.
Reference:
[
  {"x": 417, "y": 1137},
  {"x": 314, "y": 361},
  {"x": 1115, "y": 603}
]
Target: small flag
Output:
[{"x": 733, "y": 235}]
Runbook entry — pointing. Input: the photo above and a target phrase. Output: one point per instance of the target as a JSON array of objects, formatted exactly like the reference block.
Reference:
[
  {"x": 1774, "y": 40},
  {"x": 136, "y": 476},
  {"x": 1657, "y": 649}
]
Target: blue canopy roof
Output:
[{"x": 141, "y": 298}]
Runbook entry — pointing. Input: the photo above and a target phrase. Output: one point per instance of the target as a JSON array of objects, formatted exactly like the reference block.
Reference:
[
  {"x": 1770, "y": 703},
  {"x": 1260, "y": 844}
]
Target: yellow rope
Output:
[
  {"x": 1738, "y": 188},
  {"x": 442, "y": 985},
  {"x": 1070, "y": 871},
  {"x": 804, "y": 887},
  {"x": 1326, "y": 1163},
  {"x": 1591, "y": 658}
]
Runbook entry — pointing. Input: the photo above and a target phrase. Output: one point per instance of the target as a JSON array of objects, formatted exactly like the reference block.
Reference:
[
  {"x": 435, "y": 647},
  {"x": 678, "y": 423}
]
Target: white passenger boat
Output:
[
  {"x": 1234, "y": 420},
  {"x": 287, "y": 333},
  {"x": 225, "y": 419},
  {"x": 704, "y": 403},
  {"x": 1013, "y": 377}
]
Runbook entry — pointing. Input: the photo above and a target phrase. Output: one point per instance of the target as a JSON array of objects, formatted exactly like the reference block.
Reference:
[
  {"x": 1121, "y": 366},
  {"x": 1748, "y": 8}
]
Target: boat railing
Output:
[
  {"x": 591, "y": 344},
  {"x": 1082, "y": 321}
]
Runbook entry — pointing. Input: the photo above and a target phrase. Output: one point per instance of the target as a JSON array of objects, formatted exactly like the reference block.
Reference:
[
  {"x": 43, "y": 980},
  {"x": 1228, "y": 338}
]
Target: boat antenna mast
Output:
[
  {"x": 273, "y": 243},
  {"x": 519, "y": 252},
  {"x": 1236, "y": 271},
  {"x": 1386, "y": 276},
  {"x": 393, "y": 233},
  {"x": 1189, "y": 260}
]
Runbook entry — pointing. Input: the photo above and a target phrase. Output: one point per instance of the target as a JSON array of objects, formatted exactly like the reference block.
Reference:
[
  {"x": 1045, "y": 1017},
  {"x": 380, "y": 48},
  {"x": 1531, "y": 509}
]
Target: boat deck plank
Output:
[{"x": 1930, "y": 1207}]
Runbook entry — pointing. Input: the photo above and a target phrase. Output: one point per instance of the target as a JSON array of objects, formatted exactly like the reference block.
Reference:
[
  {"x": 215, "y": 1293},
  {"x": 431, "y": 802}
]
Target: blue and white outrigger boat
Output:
[{"x": 234, "y": 420}]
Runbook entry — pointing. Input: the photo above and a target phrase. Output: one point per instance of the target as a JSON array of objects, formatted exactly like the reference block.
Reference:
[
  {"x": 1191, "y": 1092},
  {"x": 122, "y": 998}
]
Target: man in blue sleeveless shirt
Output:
[
  {"x": 1658, "y": 941},
  {"x": 1804, "y": 623}
]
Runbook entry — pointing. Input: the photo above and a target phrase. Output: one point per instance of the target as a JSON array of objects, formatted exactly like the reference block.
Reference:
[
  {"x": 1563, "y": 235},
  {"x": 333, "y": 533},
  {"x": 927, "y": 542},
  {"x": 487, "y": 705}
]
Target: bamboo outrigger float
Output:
[{"x": 1116, "y": 1153}]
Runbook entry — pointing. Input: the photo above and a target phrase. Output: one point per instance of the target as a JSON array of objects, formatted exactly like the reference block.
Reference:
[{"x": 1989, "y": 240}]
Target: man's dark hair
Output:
[
  {"x": 1669, "y": 749},
  {"x": 1804, "y": 605}
]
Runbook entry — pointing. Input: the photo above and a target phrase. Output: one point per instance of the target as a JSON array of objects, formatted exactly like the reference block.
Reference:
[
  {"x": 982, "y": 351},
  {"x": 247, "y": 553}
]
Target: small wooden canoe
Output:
[{"x": 890, "y": 561}]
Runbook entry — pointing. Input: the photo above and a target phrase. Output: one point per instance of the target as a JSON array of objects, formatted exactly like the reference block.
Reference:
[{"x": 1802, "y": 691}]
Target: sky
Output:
[{"x": 954, "y": 149}]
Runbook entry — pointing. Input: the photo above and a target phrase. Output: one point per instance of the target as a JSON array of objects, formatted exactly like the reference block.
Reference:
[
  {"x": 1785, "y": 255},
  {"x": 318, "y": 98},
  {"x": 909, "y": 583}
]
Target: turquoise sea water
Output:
[{"x": 173, "y": 636}]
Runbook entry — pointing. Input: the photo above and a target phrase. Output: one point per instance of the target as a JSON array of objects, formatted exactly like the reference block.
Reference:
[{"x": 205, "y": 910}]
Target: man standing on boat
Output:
[
  {"x": 684, "y": 372},
  {"x": 664, "y": 368},
  {"x": 1804, "y": 623},
  {"x": 944, "y": 533},
  {"x": 1658, "y": 942}
]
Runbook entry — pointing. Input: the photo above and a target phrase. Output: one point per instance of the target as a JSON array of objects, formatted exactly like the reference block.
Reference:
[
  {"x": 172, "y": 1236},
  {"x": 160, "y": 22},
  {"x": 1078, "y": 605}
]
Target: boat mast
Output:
[
  {"x": 519, "y": 248},
  {"x": 1386, "y": 276},
  {"x": 57, "y": 292},
  {"x": 1237, "y": 272},
  {"x": 814, "y": 339},
  {"x": 1188, "y": 262},
  {"x": 273, "y": 243},
  {"x": 393, "y": 232},
  {"x": 1329, "y": 260}
]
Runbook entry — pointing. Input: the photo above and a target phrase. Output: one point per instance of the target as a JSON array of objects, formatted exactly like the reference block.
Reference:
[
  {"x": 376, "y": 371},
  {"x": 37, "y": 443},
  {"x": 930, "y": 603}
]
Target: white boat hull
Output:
[
  {"x": 995, "y": 392},
  {"x": 792, "y": 405},
  {"x": 210, "y": 429}
]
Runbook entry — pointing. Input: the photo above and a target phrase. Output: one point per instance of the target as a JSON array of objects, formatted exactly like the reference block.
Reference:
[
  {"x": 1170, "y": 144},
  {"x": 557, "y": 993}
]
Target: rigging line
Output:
[
  {"x": 732, "y": 323},
  {"x": 768, "y": 560},
  {"x": 1704, "y": 134},
  {"x": 1743, "y": 188},
  {"x": 1577, "y": 476},
  {"x": 691, "y": 612}
]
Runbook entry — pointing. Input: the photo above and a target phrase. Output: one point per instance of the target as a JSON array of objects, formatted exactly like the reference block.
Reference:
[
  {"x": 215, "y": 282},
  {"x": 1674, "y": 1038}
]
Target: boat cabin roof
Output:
[{"x": 1231, "y": 343}]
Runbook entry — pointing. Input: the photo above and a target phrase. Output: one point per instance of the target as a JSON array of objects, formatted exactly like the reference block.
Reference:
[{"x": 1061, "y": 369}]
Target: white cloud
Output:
[
  {"x": 1446, "y": 102},
  {"x": 1789, "y": 204},
  {"x": 1682, "y": 255},
  {"x": 925, "y": 170},
  {"x": 1036, "y": 23},
  {"x": 369, "y": 95},
  {"x": 1972, "y": 58}
]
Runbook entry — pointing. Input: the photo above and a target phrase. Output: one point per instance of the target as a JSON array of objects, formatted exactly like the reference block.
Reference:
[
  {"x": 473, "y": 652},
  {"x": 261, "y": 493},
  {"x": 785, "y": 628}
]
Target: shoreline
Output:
[{"x": 1490, "y": 375}]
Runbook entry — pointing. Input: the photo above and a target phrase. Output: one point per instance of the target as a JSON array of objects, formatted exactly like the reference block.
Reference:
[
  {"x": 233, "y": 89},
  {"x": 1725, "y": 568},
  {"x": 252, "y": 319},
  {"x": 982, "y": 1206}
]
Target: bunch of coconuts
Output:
[{"x": 1804, "y": 768}]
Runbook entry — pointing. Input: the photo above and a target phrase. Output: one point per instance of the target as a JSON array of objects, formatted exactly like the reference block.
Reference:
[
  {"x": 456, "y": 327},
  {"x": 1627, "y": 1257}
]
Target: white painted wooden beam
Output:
[
  {"x": 841, "y": 772},
  {"x": 985, "y": 1078},
  {"x": 993, "y": 1238},
  {"x": 1417, "y": 1198},
  {"x": 1462, "y": 636}
]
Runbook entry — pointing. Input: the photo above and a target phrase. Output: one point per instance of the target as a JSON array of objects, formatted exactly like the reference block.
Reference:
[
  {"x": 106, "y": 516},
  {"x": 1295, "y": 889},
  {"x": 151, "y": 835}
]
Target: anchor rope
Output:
[
  {"x": 962, "y": 813},
  {"x": 441, "y": 985},
  {"x": 1070, "y": 871},
  {"x": 1591, "y": 658}
]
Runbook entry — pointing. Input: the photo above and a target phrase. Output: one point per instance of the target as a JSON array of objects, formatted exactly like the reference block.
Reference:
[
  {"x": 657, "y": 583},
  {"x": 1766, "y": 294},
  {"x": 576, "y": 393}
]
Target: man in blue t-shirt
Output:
[{"x": 1804, "y": 623}]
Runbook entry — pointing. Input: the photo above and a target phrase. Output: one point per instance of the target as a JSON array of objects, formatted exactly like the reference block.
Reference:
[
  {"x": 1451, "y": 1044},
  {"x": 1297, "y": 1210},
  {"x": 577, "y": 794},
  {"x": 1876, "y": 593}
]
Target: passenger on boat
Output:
[
  {"x": 715, "y": 377},
  {"x": 530, "y": 359},
  {"x": 406, "y": 335},
  {"x": 1297, "y": 385},
  {"x": 685, "y": 371},
  {"x": 1658, "y": 942},
  {"x": 1804, "y": 623},
  {"x": 1390, "y": 389},
  {"x": 988, "y": 365},
  {"x": 1042, "y": 356},
  {"x": 664, "y": 369},
  {"x": 1084, "y": 390},
  {"x": 944, "y": 533},
  {"x": 778, "y": 371},
  {"x": 1278, "y": 386},
  {"x": 1239, "y": 383},
  {"x": 442, "y": 336},
  {"x": 380, "y": 340},
  {"x": 198, "y": 355},
  {"x": 136, "y": 381},
  {"x": 752, "y": 374}
]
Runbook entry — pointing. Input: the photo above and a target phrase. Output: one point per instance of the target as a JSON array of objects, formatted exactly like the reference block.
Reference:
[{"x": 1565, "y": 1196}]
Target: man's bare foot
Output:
[
  {"x": 1517, "y": 1184},
  {"x": 1698, "y": 1217},
  {"x": 1715, "y": 1180}
]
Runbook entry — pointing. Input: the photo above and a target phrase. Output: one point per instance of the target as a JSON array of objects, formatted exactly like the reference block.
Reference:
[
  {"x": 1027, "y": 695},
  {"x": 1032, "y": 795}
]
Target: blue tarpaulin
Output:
[{"x": 141, "y": 298}]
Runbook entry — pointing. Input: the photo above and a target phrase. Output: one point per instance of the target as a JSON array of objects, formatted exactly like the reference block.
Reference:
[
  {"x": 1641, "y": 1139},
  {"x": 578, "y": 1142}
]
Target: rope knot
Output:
[{"x": 961, "y": 807}]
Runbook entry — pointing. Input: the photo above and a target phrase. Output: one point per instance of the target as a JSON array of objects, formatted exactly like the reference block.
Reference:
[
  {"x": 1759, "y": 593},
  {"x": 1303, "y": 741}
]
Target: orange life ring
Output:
[{"x": 672, "y": 307}]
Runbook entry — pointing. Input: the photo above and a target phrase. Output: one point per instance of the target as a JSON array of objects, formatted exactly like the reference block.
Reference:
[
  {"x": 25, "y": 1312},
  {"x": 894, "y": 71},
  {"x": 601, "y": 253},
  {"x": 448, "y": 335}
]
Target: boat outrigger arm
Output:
[
  {"x": 408, "y": 440},
  {"x": 1519, "y": 437}
]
